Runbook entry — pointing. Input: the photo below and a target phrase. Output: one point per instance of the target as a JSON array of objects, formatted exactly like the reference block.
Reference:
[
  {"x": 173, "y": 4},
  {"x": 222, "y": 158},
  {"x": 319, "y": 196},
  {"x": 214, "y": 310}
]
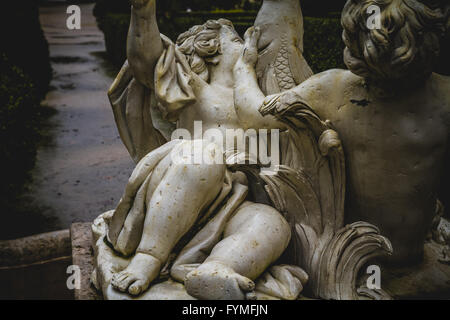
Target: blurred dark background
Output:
[
  {"x": 323, "y": 43},
  {"x": 25, "y": 74}
]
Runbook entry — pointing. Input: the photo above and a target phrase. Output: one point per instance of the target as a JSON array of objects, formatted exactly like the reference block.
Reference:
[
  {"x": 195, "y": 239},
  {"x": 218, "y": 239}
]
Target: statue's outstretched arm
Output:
[
  {"x": 248, "y": 97},
  {"x": 144, "y": 44}
]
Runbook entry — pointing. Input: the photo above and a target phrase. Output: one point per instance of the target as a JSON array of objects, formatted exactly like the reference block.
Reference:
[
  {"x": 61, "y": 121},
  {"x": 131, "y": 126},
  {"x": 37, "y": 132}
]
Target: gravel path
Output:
[{"x": 82, "y": 169}]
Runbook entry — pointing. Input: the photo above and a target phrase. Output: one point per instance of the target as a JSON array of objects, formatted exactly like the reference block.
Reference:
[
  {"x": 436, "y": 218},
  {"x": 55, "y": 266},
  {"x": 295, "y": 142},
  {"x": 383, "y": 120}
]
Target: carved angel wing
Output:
[{"x": 281, "y": 65}]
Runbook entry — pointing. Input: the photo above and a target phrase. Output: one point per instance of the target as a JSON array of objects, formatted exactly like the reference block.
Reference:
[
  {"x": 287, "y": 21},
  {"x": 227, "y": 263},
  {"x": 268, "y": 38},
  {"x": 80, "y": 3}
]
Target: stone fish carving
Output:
[{"x": 281, "y": 65}]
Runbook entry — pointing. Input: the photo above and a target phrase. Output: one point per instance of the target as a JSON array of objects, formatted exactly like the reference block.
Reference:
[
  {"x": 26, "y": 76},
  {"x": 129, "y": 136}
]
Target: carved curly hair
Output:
[
  {"x": 405, "y": 47},
  {"x": 201, "y": 45}
]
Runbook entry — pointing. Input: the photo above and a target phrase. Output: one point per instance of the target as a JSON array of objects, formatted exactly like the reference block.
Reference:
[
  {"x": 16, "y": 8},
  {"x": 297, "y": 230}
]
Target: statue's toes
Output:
[
  {"x": 244, "y": 283},
  {"x": 122, "y": 280},
  {"x": 138, "y": 287}
]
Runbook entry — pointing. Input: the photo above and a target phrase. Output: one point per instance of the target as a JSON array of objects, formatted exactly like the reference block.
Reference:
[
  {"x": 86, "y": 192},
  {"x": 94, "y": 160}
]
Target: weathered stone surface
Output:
[
  {"x": 37, "y": 248},
  {"x": 333, "y": 211},
  {"x": 82, "y": 256},
  {"x": 166, "y": 201},
  {"x": 428, "y": 280},
  {"x": 35, "y": 267}
]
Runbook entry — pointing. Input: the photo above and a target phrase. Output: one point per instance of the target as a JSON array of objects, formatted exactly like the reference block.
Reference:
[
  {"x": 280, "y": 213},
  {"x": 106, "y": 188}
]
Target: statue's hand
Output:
[
  {"x": 138, "y": 4},
  {"x": 250, "y": 52},
  {"x": 277, "y": 104}
]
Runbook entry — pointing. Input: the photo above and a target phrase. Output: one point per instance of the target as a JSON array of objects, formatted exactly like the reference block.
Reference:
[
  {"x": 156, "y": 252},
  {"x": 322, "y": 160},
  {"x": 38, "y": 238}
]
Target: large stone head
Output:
[
  {"x": 212, "y": 43},
  {"x": 406, "y": 45}
]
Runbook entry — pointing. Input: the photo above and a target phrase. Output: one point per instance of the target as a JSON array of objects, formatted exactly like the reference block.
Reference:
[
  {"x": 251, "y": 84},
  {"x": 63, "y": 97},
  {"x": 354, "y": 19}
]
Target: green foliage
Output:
[
  {"x": 103, "y": 7},
  {"x": 315, "y": 8},
  {"x": 166, "y": 6},
  {"x": 25, "y": 74},
  {"x": 18, "y": 121},
  {"x": 24, "y": 43},
  {"x": 20, "y": 132},
  {"x": 241, "y": 19},
  {"x": 115, "y": 29},
  {"x": 322, "y": 8},
  {"x": 323, "y": 45}
]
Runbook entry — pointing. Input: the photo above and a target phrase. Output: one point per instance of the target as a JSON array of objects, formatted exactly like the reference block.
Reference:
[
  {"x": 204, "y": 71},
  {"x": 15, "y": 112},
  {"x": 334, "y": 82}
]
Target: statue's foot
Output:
[
  {"x": 216, "y": 281},
  {"x": 136, "y": 278}
]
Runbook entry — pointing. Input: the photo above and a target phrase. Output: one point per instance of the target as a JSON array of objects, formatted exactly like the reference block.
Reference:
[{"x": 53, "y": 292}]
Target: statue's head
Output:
[
  {"x": 404, "y": 47},
  {"x": 212, "y": 43}
]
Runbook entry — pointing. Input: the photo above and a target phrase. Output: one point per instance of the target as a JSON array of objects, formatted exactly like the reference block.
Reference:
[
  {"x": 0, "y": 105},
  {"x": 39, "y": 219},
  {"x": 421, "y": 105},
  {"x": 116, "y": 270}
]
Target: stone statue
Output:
[
  {"x": 392, "y": 114},
  {"x": 224, "y": 229},
  {"x": 191, "y": 224}
]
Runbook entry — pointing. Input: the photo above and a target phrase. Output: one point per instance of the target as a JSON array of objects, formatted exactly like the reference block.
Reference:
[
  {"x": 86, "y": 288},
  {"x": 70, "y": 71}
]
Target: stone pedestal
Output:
[
  {"x": 83, "y": 256},
  {"x": 35, "y": 267},
  {"x": 429, "y": 280}
]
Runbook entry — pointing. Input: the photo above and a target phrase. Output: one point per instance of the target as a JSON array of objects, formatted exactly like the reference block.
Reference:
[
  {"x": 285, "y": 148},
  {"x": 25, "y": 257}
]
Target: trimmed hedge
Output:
[
  {"x": 25, "y": 74},
  {"x": 19, "y": 101},
  {"x": 103, "y": 7},
  {"x": 313, "y": 8},
  {"x": 167, "y": 6},
  {"x": 24, "y": 42},
  {"x": 323, "y": 44},
  {"x": 21, "y": 118},
  {"x": 115, "y": 29}
]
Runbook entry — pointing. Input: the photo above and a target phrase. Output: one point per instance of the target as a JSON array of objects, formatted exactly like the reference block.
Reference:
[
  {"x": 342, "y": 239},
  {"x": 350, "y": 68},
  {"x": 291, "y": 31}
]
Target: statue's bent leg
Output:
[
  {"x": 130, "y": 234},
  {"x": 183, "y": 193},
  {"x": 254, "y": 239}
]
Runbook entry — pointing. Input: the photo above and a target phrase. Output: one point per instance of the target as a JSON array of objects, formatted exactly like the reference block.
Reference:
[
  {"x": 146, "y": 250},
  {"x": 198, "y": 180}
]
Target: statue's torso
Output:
[
  {"x": 394, "y": 152},
  {"x": 214, "y": 108}
]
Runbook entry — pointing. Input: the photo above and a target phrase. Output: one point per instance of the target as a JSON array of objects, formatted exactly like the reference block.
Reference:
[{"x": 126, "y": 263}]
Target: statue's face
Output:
[{"x": 231, "y": 45}]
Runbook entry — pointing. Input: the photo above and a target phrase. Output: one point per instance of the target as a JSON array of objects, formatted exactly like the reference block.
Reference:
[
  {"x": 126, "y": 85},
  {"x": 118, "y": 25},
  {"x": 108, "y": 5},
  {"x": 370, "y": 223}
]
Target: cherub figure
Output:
[{"x": 166, "y": 202}]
